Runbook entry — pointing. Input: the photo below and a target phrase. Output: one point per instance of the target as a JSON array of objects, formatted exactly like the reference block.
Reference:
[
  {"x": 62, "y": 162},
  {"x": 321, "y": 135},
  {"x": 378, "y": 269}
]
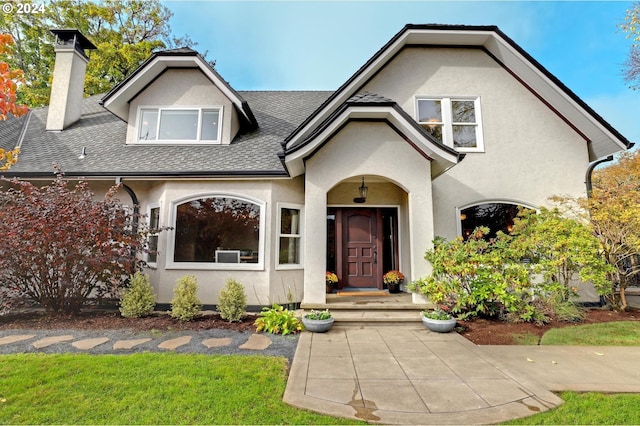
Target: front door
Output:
[{"x": 361, "y": 248}]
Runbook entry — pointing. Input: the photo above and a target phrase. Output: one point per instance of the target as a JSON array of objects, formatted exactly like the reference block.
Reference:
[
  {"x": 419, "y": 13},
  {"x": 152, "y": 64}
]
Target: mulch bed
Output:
[{"x": 479, "y": 331}]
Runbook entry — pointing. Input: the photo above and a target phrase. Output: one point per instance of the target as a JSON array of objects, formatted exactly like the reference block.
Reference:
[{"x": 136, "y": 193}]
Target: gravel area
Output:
[{"x": 281, "y": 346}]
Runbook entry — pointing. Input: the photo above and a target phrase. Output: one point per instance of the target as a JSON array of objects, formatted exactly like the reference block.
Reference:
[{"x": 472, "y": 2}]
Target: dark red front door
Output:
[{"x": 361, "y": 247}]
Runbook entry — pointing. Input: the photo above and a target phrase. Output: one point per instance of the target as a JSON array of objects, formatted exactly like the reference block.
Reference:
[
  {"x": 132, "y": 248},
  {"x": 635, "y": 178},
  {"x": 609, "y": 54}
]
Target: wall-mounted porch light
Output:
[{"x": 363, "y": 190}]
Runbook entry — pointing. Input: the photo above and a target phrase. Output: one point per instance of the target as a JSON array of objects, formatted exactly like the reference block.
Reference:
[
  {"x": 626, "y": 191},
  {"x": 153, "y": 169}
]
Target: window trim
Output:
[
  {"x": 198, "y": 141},
  {"x": 151, "y": 206},
  {"x": 212, "y": 266},
  {"x": 300, "y": 236},
  {"x": 447, "y": 119},
  {"x": 490, "y": 201}
]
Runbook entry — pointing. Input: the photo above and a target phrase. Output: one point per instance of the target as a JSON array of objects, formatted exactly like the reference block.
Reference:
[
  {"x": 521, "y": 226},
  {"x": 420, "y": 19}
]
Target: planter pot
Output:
[
  {"x": 439, "y": 326},
  {"x": 394, "y": 288},
  {"x": 317, "y": 326},
  {"x": 329, "y": 288}
]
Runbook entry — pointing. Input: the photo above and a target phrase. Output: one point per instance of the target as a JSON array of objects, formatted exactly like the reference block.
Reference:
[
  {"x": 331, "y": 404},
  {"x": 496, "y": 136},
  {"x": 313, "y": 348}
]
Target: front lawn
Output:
[
  {"x": 589, "y": 409},
  {"x": 147, "y": 389},
  {"x": 618, "y": 333}
]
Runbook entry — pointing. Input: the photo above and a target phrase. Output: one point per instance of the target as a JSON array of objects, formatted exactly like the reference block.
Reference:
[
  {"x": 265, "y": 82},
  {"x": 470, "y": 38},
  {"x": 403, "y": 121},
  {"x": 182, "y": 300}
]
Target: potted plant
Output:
[
  {"x": 438, "y": 320},
  {"x": 318, "y": 321},
  {"x": 393, "y": 279},
  {"x": 331, "y": 279}
]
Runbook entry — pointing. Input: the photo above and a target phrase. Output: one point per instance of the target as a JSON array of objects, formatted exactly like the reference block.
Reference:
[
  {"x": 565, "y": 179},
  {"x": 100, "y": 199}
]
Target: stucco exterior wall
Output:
[
  {"x": 530, "y": 153},
  {"x": 376, "y": 150},
  {"x": 184, "y": 87},
  {"x": 263, "y": 285}
]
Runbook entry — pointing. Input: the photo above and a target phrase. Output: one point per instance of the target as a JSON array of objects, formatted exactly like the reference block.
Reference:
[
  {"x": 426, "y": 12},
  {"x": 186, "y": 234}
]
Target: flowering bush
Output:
[
  {"x": 393, "y": 277},
  {"x": 331, "y": 278}
]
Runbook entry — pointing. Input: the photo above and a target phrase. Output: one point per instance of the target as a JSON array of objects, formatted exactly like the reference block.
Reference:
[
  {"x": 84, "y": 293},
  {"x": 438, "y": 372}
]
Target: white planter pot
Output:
[
  {"x": 317, "y": 326},
  {"x": 439, "y": 326}
]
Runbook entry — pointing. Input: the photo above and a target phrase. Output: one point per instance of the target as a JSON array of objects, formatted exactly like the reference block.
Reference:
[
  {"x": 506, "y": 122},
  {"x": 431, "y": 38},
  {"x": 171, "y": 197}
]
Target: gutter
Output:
[
  {"x": 134, "y": 200},
  {"x": 589, "y": 174}
]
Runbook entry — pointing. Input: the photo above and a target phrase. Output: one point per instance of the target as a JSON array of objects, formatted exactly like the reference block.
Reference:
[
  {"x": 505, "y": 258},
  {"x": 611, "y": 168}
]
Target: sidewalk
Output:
[{"x": 409, "y": 375}]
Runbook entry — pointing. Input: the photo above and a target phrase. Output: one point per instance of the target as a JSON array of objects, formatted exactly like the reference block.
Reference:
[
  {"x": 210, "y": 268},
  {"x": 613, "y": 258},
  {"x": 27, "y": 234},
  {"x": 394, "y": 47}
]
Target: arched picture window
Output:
[
  {"x": 495, "y": 216},
  {"x": 217, "y": 230}
]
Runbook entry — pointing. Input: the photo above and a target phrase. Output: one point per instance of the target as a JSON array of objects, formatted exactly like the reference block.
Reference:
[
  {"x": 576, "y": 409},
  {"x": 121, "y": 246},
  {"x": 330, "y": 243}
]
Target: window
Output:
[
  {"x": 495, "y": 216},
  {"x": 154, "y": 224},
  {"x": 179, "y": 124},
  {"x": 453, "y": 121},
  {"x": 289, "y": 235},
  {"x": 219, "y": 230}
]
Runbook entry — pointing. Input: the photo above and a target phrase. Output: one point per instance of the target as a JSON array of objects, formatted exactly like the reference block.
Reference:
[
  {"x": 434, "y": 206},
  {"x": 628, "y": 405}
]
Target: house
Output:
[{"x": 444, "y": 128}]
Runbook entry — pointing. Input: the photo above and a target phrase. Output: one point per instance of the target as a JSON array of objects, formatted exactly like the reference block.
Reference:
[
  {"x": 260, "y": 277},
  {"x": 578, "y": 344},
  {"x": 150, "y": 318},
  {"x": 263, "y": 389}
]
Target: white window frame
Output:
[
  {"x": 285, "y": 266},
  {"x": 447, "y": 119},
  {"x": 212, "y": 266},
  {"x": 196, "y": 141},
  {"x": 150, "y": 207}
]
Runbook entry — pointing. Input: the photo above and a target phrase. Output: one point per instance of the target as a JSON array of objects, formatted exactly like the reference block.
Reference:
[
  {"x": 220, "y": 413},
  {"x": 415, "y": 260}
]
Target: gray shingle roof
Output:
[
  {"x": 10, "y": 130},
  {"x": 103, "y": 135}
]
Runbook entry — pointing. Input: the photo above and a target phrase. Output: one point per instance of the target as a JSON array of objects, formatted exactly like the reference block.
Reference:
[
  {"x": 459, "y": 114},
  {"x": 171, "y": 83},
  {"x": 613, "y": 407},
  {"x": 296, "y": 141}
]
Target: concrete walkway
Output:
[{"x": 409, "y": 375}]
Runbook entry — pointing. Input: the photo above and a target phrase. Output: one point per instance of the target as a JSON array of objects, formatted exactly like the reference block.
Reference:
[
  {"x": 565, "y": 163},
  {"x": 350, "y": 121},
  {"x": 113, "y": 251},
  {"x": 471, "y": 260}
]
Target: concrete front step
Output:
[{"x": 395, "y": 309}]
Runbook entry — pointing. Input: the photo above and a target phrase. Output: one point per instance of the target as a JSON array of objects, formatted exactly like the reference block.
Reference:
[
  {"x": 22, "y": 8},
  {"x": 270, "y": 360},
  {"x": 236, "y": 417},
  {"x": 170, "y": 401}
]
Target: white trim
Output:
[
  {"x": 490, "y": 201},
  {"x": 212, "y": 266},
  {"x": 447, "y": 119},
  {"x": 197, "y": 141},
  {"x": 300, "y": 236}
]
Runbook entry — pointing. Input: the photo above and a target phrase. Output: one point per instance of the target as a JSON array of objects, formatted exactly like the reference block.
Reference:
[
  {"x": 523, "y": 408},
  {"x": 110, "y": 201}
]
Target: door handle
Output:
[{"x": 375, "y": 256}]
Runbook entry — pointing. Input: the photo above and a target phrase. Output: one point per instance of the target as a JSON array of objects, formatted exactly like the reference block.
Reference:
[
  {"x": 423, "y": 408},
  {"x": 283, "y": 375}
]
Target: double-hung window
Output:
[
  {"x": 453, "y": 121},
  {"x": 188, "y": 124},
  {"x": 289, "y": 236}
]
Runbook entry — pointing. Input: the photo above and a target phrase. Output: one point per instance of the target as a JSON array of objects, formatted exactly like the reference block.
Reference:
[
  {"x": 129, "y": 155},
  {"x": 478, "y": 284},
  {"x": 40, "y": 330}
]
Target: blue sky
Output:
[{"x": 318, "y": 45}]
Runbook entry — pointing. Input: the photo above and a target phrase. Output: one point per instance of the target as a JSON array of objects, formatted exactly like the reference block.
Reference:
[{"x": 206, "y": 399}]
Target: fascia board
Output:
[
  {"x": 118, "y": 103},
  {"x": 558, "y": 97},
  {"x": 295, "y": 160}
]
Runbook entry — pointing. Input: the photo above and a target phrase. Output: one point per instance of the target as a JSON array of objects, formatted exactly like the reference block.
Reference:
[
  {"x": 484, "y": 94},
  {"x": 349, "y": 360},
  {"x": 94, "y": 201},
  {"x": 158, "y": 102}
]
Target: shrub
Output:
[
  {"x": 277, "y": 320},
  {"x": 232, "y": 301},
  {"x": 61, "y": 246},
  {"x": 139, "y": 299},
  {"x": 185, "y": 304}
]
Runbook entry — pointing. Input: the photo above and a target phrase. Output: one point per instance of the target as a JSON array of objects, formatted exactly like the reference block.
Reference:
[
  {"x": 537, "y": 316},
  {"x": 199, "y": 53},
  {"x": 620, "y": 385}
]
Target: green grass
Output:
[
  {"x": 147, "y": 389},
  {"x": 619, "y": 333},
  {"x": 589, "y": 409},
  {"x": 525, "y": 338}
]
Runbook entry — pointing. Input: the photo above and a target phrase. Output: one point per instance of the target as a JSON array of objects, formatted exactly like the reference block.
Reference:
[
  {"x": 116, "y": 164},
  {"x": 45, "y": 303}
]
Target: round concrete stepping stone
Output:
[
  {"x": 87, "y": 344},
  {"x": 175, "y": 343},
  {"x": 128, "y": 344},
  {"x": 217, "y": 342},
  {"x": 48, "y": 341},
  {"x": 256, "y": 342},
  {"x": 7, "y": 340}
]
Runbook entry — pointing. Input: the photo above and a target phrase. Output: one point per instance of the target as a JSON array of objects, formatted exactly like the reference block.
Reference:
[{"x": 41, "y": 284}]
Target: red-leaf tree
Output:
[
  {"x": 63, "y": 248},
  {"x": 9, "y": 80}
]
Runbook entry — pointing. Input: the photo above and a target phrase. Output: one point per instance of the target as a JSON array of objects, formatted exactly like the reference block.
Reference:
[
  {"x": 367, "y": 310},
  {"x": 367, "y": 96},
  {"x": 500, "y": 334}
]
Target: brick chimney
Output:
[{"x": 65, "y": 103}]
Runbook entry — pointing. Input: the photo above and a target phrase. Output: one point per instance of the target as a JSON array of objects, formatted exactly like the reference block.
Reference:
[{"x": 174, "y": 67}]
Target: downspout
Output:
[
  {"x": 588, "y": 182},
  {"x": 589, "y": 175},
  {"x": 134, "y": 200}
]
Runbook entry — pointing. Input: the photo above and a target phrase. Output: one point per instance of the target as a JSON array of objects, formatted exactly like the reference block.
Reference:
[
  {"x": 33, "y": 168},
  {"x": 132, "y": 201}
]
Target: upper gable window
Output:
[
  {"x": 453, "y": 121},
  {"x": 168, "y": 125}
]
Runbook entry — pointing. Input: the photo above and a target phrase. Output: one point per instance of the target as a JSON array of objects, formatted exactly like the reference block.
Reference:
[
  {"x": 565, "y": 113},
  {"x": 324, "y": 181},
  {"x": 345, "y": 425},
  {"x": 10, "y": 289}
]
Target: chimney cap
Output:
[{"x": 66, "y": 36}]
